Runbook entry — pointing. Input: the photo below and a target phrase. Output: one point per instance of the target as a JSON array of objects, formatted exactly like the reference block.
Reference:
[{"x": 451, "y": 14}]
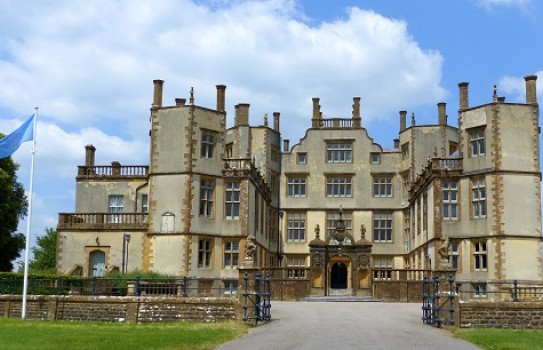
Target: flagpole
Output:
[{"x": 29, "y": 219}]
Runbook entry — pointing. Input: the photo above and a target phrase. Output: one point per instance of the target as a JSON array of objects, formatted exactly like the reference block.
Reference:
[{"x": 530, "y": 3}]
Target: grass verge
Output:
[
  {"x": 44, "y": 335},
  {"x": 498, "y": 339}
]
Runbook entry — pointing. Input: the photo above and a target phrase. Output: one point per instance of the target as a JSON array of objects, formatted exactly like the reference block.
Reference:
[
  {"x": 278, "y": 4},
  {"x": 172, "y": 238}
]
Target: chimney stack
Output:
[
  {"x": 221, "y": 92},
  {"x": 286, "y": 145},
  {"x": 90, "y": 152},
  {"x": 179, "y": 102},
  {"x": 396, "y": 143},
  {"x": 242, "y": 115},
  {"x": 316, "y": 120},
  {"x": 276, "y": 121},
  {"x": 403, "y": 120},
  {"x": 531, "y": 93},
  {"x": 442, "y": 113},
  {"x": 464, "y": 96},
  {"x": 357, "y": 120},
  {"x": 157, "y": 94}
]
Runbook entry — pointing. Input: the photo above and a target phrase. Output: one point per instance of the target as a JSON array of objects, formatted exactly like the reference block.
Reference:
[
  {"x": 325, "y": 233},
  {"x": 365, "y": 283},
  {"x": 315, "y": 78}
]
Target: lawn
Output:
[
  {"x": 497, "y": 339},
  {"x": 45, "y": 335}
]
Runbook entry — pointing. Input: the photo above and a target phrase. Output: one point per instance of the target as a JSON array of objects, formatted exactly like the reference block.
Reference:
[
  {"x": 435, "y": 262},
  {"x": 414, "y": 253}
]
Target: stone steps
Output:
[{"x": 340, "y": 298}]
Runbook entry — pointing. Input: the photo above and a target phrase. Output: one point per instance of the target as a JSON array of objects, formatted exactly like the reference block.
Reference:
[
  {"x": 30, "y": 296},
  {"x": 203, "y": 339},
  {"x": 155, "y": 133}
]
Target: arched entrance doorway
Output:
[{"x": 338, "y": 276}]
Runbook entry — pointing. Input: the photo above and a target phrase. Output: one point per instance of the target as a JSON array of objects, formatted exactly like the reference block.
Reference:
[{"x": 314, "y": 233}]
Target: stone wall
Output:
[
  {"x": 121, "y": 309},
  {"x": 398, "y": 291},
  {"x": 501, "y": 315},
  {"x": 290, "y": 289}
]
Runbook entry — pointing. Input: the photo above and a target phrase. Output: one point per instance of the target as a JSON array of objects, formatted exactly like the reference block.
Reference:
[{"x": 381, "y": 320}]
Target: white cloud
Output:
[
  {"x": 516, "y": 88},
  {"x": 489, "y": 4}
]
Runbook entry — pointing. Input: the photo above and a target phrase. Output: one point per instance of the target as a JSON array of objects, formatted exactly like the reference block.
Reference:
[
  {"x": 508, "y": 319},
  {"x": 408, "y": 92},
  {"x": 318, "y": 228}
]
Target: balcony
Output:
[
  {"x": 337, "y": 123},
  {"x": 102, "y": 221},
  {"x": 113, "y": 170}
]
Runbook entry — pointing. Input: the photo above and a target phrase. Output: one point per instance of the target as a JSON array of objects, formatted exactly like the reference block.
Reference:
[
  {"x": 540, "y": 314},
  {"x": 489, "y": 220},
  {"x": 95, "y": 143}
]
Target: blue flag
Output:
[{"x": 10, "y": 143}]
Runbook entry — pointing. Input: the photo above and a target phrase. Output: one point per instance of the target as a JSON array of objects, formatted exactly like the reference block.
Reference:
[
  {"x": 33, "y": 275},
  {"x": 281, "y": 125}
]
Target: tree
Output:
[
  {"x": 13, "y": 206},
  {"x": 45, "y": 253}
]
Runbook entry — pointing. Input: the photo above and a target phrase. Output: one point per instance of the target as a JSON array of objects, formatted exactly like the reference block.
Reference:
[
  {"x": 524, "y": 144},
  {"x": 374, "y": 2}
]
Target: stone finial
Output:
[
  {"x": 413, "y": 119},
  {"x": 317, "y": 231},
  {"x": 362, "y": 231},
  {"x": 191, "y": 95}
]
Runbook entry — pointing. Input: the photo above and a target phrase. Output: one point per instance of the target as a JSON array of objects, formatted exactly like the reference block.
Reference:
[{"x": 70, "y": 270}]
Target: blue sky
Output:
[{"x": 89, "y": 66}]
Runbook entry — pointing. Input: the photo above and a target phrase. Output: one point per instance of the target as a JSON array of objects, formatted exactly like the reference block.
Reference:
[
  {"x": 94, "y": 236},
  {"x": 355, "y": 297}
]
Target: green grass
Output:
[
  {"x": 45, "y": 335},
  {"x": 497, "y": 339}
]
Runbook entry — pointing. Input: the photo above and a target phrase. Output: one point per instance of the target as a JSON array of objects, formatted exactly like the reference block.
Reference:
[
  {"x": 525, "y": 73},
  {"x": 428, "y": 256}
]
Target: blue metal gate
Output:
[
  {"x": 257, "y": 305},
  {"x": 435, "y": 312}
]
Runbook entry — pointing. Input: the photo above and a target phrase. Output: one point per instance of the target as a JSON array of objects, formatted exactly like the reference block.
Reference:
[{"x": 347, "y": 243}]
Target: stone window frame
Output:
[
  {"x": 298, "y": 184},
  {"x": 381, "y": 233},
  {"x": 448, "y": 202},
  {"x": 344, "y": 184},
  {"x": 208, "y": 144},
  {"x": 480, "y": 256},
  {"x": 477, "y": 141},
  {"x": 479, "y": 290},
  {"x": 144, "y": 203},
  {"x": 382, "y": 185},
  {"x": 230, "y": 254},
  {"x": 207, "y": 197},
  {"x": 339, "y": 152},
  {"x": 455, "y": 255},
  {"x": 405, "y": 151},
  {"x": 228, "y": 150},
  {"x": 301, "y": 158},
  {"x": 478, "y": 197},
  {"x": 232, "y": 200},
  {"x": 205, "y": 253},
  {"x": 296, "y": 227},
  {"x": 230, "y": 287},
  {"x": 375, "y": 158}
]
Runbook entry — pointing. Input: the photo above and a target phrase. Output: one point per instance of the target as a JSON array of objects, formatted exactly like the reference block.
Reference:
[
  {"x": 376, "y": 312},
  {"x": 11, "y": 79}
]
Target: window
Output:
[
  {"x": 479, "y": 254},
  {"x": 382, "y": 268},
  {"x": 479, "y": 290},
  {"x": 382, "y": 227},
  {"x": 296, "y": 227},
  {"x": 228, "y": 150},
  {"x": 405, "y": 151},
  {"x": 478, "y": 198},
  {"x": 230, "y": 287},
  {"x": 450, "y": 200},
  {"x": 296, "y": 266},
  {"x": 207, "y": 187},
  {"x": 115, "y": 206},
  {"x": 339, "y": 152},
  {"x": 144, "y": 203},
  {"x": 232, "y": 200},
  {"x": 115, "y": 203},
  {"x": 208, "y": 145},
  {"x": 204, "y": 253},
  {"x": 332, "y": 219},
  {"x": 453, "y": 147},
  {"x": 274, "y": 154},
  {"x": 295, "y": 186},
  {"x": 231, "y": 254},
  {"x": 382, "y": 186},
  {"x": 477, "y": 141},
  {"x": 375, "y": 158},
  {"x": 454, "y": 255},
  {"x": 338, "y": 186},
  {"x": 301, "y": 158}
]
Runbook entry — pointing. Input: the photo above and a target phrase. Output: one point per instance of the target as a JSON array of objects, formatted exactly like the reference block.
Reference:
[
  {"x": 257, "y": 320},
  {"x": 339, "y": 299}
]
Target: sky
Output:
[{"x": 89, "y": 67}]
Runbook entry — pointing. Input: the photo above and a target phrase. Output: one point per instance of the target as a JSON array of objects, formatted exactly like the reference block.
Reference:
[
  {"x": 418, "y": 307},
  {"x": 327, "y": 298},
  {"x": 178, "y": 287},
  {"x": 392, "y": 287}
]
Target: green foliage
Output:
[
  {"x": 498, "y": 339},
  {"x": 13, "y": 206},
  {"x": 43, "y": 335},
  {"x": 45, "y": 252}
]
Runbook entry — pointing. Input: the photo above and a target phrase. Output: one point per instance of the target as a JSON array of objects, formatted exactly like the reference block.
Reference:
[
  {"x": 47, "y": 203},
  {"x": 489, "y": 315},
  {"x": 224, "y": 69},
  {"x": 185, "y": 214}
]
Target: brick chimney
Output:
[
  {"x": 317, "y": 116},
  {"x": 442, "y": 113},
  {"x": 221, "y": 93},
  {"x": 242, "y": 114},
  {"x": 403, "y": 120},
  {"x": 531, "y": 93},
  {"x": 286, "y": 145},
  {"x": 276, "y": 119},
  {"x": 90, "y": 152},
  {"x": 357, "y": 120},
  {"x": 157, "y": 94},
  {"x": 464, "y": 96}
]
